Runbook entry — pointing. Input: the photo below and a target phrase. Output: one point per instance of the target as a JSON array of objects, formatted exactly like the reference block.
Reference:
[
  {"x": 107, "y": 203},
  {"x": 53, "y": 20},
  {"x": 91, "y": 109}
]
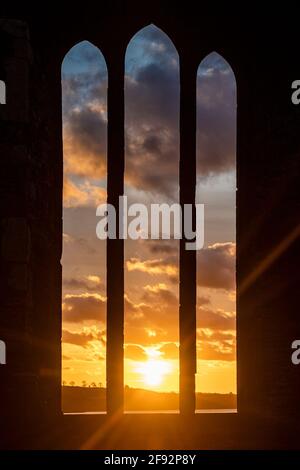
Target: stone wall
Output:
[{"x": 32, "y": 48}]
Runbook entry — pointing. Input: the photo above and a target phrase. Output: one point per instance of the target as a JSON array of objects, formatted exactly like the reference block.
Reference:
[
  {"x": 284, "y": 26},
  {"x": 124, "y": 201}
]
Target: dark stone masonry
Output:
[{"x": 33, "y": 42}]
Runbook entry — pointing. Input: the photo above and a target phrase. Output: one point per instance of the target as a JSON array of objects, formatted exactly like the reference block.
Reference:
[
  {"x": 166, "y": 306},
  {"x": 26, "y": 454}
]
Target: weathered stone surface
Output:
[{"x": 15, "y": 240}]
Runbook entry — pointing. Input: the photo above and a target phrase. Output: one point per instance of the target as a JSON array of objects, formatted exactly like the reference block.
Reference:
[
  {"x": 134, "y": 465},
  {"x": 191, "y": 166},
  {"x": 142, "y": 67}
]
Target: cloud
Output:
[
  {"x": 205, "y": 334},
  {"x": 170, "y": 351},
  {"x": 152, "y": 266},
  {"x": 152, "y": 128},
  {"x": 215, "y": 319},
  {"x": 163, "y": 247},
  {"x": 87, "y": 283},
  {"x": 160, "y": 294},
  {"x": 216, "y": 114},
  {"x": 133, "y": 311},
  {"x": 135, "y": 352},
  {"x": 84, "y": 77},
  {"x": 84, "y": 86},
  {"x": 83, "y": 338},
  {"x": 82, "y": 194},
  {"x": 202, "y": 300},
  {"x": 84, "y": 307},
  {"x": 216, "y": 266},
  {"x": 215, "y": 345},
  {"x": 74, "y": 244},
  {"x": 155, "y": 318},
  {"x": 152, "y": 115},
  {"x": 85, "y": 143},
  {"x": 79, "y": 339}
]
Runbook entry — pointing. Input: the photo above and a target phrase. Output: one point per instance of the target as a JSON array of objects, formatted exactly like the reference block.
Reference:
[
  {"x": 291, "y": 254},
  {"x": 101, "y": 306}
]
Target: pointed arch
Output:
[
  {"x": 84, "y": 113},
  {"x": 216, "y": 188},
  {"x": 152, "y": 175}
]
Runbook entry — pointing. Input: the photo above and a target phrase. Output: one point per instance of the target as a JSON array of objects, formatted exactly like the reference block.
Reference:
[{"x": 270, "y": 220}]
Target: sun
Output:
[{"x": 154, "y": 371}]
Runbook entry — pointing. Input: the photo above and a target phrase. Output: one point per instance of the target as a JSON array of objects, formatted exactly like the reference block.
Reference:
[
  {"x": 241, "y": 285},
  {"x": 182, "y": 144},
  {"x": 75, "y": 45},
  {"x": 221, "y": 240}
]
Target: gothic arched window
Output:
[
  {"x": 216, "y": 189},
  {"x": 84, "y": 99},
  {"x": 151, "y": 352}
]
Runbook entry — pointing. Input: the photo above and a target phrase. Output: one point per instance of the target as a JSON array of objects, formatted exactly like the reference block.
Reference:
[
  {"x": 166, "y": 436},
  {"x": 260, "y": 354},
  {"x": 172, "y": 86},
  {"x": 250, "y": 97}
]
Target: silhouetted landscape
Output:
[{"x": 93, "y": 399}]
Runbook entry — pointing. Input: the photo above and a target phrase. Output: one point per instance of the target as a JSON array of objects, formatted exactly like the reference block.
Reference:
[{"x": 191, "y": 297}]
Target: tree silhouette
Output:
[{"x": 72, "y": 383}]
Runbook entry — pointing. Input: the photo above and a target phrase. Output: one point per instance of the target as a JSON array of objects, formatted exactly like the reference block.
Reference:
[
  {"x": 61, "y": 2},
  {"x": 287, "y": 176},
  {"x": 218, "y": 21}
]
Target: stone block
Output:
[{"x": 15, "y": 240}]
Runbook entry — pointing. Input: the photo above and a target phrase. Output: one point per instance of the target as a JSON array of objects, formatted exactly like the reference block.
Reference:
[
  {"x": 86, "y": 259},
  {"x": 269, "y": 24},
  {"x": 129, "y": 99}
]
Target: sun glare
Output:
[{"x": 153, "y": 371}]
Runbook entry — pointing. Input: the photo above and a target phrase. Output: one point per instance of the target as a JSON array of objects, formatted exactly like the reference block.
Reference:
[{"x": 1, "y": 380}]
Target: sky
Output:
[{"x": 151, "y": 175}]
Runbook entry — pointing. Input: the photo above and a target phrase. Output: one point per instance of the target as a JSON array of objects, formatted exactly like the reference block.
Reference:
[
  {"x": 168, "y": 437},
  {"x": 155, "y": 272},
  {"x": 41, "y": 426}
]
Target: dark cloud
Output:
[
  {"x": 86, "y": 129},
  {"x": 215, "y": 320},
  {"x": 216, "y": 115},
  {"x": 152, "y": 111},
  {"x": 84, "y": 307},
  {"x": 152, "y": 114},
  {"x": 216, "y": 266},
  {"x": 83, "y": 338},
  {"x": 164, "y": 247},
  {"x": 152, "y": 144},
  {"x": 83, "y": 88},
  {"x": 89, "y": 129},
  {"x": 152, "y": 97},
  {"x": 202, "y": 300},
  {"x": 161, "y": 296},
  {"x": 82, "y": 284},
  {"x": 152, "y": 128}
]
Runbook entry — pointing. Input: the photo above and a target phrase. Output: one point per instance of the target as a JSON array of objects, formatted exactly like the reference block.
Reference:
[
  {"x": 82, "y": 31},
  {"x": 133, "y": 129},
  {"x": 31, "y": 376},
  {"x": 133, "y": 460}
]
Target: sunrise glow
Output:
[{"x": 154, "y": 371}]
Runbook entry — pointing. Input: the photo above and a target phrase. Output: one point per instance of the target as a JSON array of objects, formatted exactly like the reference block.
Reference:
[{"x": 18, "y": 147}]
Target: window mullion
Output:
[
  {"x": 187, "y": 311},
  {"x": 115, "y": 248}
]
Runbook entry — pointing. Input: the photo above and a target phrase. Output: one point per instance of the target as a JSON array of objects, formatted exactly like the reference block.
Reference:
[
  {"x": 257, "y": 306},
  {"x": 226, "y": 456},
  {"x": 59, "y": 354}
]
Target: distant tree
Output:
[
  {"x": 64, "y": 383},
  {"x": 93, "y": 384},
  {"x": 72, "y": 383},
  {"x": 83, "y": 383},
  {"x": 100, "y": 384}
]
